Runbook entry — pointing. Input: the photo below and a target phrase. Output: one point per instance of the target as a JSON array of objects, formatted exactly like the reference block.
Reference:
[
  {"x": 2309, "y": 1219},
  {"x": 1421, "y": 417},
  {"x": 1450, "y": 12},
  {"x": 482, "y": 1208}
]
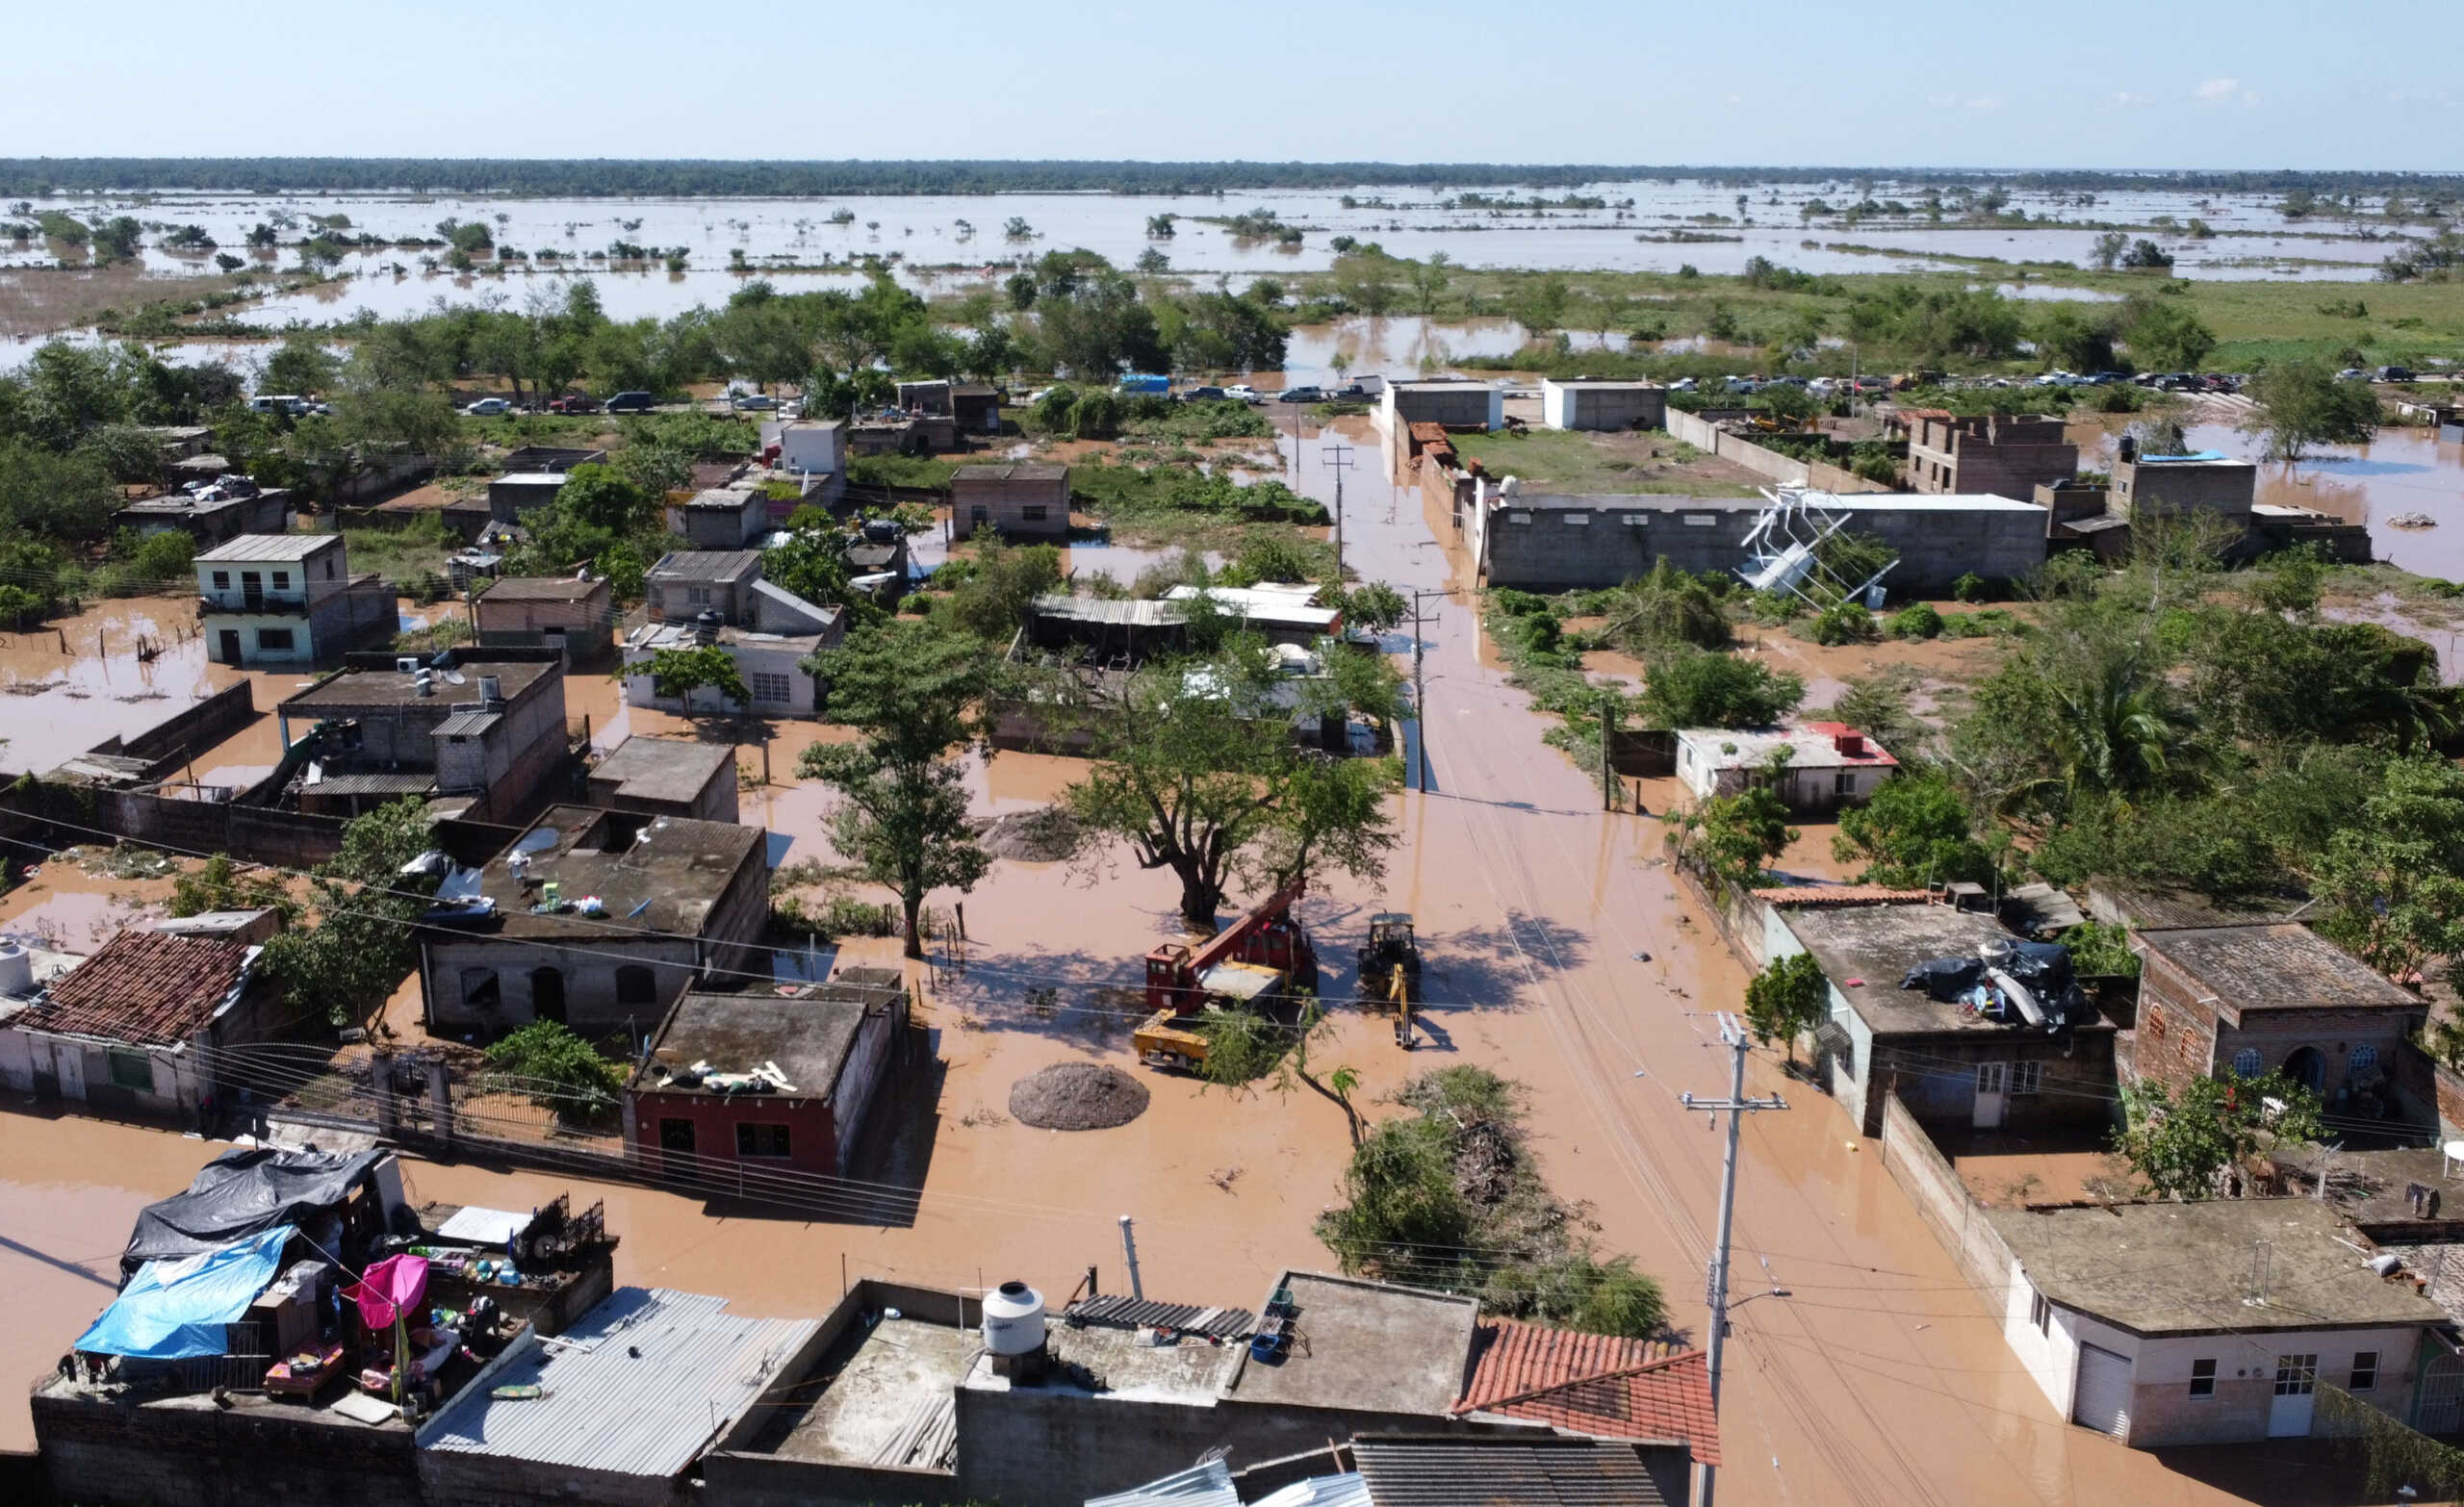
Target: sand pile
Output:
[
  {"x": 1046, "y": 834},
  {"x": 1077, "y": 1096}
]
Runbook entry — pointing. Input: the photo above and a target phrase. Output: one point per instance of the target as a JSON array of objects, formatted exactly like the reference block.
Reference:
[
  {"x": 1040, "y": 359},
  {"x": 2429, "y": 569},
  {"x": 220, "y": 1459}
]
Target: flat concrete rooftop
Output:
[
  {"x": 1370, "y": 1348},
  {"x": 1104, "y": 1362},
  {"x": 663, "y": 769},
  {"x": 664, "y": 874},
  {"x": 2184, "y": 1268},
  {"x": 349, "y": 690},
  {"x": 2283, "y": 966},
  {"x": 1865, "y": 950},
  {"x": 807, "y": 1040},
  {"x": 881, "y": 1376}
]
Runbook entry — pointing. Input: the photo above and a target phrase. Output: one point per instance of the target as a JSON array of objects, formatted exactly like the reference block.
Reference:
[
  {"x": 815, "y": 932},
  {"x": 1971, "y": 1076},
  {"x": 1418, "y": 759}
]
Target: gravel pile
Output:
[
  {"x": 1077, "y": 1096},
  {"x": 1046, "y": 834}
]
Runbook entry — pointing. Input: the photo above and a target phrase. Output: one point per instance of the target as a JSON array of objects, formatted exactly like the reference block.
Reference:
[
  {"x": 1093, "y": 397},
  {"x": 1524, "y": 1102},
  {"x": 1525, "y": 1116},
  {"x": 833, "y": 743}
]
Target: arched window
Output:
[
  {"x": 2245, "y": 1062},
  {"x": 636, "y": 985},
  {"x": 2364, "y": 1058}
]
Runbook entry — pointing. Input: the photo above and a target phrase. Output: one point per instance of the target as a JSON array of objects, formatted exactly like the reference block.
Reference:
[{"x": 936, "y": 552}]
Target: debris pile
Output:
[
  {"x": 1046, "y": 834},
  {"x": 1077, "y": 1096}
]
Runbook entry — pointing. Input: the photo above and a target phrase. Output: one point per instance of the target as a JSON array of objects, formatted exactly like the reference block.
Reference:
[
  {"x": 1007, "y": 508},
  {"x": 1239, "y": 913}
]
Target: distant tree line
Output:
[{"x": 538, "y": 177}]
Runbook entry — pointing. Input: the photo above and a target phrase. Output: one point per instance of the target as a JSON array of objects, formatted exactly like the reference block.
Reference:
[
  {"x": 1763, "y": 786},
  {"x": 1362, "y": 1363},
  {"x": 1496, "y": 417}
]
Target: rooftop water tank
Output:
[
  {"x": 491, "y": 691},
  {"x": 1013, "y": 1320},
  {"x": 17, "y": 977}
]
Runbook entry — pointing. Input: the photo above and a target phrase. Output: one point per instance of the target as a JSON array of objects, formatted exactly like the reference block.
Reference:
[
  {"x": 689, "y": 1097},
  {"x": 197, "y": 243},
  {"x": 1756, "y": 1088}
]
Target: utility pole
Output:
[
  {"x": 1339, "y": 457},
  {"x": 1129, "y": 1257},
  {"x": 1420, "y": 683},
  {"x": 1608, "y": 770},
  {"x": 1736, "y": 1106}
]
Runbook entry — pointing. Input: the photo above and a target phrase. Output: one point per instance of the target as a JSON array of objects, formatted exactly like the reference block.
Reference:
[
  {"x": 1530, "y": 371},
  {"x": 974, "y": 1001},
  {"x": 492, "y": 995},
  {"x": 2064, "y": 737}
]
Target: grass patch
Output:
[
  {"x": 405, "y": 556},
  {"x": 1580, "y": 462}
]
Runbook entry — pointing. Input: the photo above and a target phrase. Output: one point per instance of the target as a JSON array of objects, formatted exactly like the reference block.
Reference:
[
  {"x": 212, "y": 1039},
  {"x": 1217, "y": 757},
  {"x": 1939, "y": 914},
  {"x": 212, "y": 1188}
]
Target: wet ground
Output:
[{"x": 1559, "y": 954}]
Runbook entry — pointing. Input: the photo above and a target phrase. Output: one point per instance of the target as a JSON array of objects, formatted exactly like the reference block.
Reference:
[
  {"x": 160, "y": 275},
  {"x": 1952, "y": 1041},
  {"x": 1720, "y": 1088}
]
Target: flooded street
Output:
[{"x": 1559, "y": 953}]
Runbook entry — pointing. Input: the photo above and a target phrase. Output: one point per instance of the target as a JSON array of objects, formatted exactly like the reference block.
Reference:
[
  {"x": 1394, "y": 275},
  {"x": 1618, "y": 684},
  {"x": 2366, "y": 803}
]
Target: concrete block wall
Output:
[
  {"x": 114, "y": 1454},
  {"x": 1943, "y": 1201}
]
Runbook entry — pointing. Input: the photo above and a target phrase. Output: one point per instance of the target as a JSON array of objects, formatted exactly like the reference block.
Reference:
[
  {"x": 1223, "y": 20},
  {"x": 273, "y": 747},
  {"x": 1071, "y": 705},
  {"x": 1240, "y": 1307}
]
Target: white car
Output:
[
  {"x": 1242, "y": 392},
  {"x": 489, "y": 407},
  {"x": 1684, "y": 385}
]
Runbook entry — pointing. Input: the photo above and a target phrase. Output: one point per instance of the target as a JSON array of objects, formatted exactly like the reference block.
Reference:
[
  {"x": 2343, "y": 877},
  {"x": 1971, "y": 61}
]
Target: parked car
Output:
[
  {"x": 1202, "y": 395},
  {"x": 1871, "y": 383},
  {"x": 2352, "y": 375},
  {"x": 489, "y": 408},
  {"x": 291, "y": 403},
  {"x": 1244, "y": 392},
  {"x": 631, "y": 403},
  {"x": 1684, "y": 385},
  {"x": 752, "y": 402},
  {"x": 1741, "y": 384},
  {"x": 574, "y": 403},
  {"x": 1302, "y": 394},
  {"x": 2397, "y": 374}
]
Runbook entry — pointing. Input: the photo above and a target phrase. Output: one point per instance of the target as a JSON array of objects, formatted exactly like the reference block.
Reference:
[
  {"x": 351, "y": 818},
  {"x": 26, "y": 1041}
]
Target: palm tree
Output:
[{"x": 2114, "y": 732}]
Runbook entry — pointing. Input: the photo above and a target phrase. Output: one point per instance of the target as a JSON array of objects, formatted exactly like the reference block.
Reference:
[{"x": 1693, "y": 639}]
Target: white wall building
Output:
[{"x": 1829, "y": 764}]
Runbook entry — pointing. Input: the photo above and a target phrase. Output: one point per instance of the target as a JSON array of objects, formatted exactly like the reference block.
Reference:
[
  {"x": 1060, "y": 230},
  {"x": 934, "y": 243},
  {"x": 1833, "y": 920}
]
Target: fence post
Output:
[
  {"x": 440, "y": 1099},
  {"x": 389, "y": 1110}
]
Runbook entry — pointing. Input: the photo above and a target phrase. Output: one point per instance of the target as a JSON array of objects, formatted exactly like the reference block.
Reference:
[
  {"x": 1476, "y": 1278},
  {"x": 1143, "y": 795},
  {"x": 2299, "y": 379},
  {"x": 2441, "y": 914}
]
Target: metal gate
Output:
[
  {"x": 2438, "y": 1402},
  {"x": 2102, "y": 1400}
]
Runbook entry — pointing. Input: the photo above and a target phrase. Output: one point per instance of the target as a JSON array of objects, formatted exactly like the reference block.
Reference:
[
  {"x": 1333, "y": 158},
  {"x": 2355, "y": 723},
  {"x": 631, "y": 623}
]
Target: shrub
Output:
[
  {"x": 1969, "y": 587},
  {"x": 1841, "y": 623},
  {"x": 1918, "y": 620},
  {"x": 558, "y": 1071}
]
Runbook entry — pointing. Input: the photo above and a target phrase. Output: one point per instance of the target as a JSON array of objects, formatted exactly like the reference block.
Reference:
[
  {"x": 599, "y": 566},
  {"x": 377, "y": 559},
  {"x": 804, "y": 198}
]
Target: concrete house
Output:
[
  {"x": 598, "y": 919},
  {"x": 732, "y": 517},
  {"x": 668, "y": 777},
  {"x": 1948, "y": 455},
  {"x": 2251, "y": 999},
  {"x": 763, "y": 1082},
  {"x": 811, "y": 450},
  {"x": 976, "y": 407},
  {"x": 1457, "y": 405},
  {"x": 1829, "y": 764},
  {"x": 532, "y": 476},
  {"x": 1584, "y": 403},
  {"x": 575, "y": 614},
  {"x": 1951, "y": 1063},
  {"x": 1559, "y": 542},
  {"x": 1017, "y": 500},
  {"x": 2151, "y": 486},
  {"x": 287, "y": 600},
  {"x": 2151, "y": 1322},
  {"x": 137, "y": 1028},
  {"x": 785, "y": 634},
  {"x": 231, "y": 506},
  {"x": 484, "y": 729},
  {"x": 687, "y": 583}
]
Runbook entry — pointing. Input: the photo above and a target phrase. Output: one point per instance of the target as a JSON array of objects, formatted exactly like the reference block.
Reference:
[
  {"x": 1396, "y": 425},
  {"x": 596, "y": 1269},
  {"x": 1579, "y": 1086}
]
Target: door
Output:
[
  {"x": 252, "y": 591},
  {"x": 2297, "y": 1380},
  {"x": 548, "y": 995},
  {"x": 1992, "y": 1093},
  {"x": 72, "y": 1070},
  {"x": 2102, "y": 1400},
  {"x": 230, "y": 645}
]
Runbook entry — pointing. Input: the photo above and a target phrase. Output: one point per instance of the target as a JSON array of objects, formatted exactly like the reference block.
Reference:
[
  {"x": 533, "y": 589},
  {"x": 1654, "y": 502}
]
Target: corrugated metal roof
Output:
[
  {"x": 1347, "y": 1489},
  {"x": 1472, "y": 1471},
  {"x": 1110, "y": 611},
  {"x": 642, "y": 1386},
  {"x": 468, "y": 724},
  {"x": 269, "y": 547},
  {"x": 376, "y": 782},
  {"x": 706, "y": 564},
  {"x": 1208, "y": 1485}
]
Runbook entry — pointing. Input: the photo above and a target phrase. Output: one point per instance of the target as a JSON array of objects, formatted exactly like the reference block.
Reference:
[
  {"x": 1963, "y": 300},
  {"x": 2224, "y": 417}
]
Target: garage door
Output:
[{"x": 2102, "y": 1401}]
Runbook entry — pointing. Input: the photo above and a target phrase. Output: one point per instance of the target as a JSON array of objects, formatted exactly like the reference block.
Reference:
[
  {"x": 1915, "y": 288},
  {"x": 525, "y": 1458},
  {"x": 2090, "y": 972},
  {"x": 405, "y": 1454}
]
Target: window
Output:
[
  {"x": 636, "y": 985},
  {"x": 480, "y": 989},
  {"x": 1702, "y": 520},
  {"x": 1577, "y": 520},
  {"x": 2365, "y": 1370},
  {"x": 762, "y": 1140},
  {"x": 330, "y": 567},
  {"x": 1032, "y": 513},
  {"x": 675, "y": 1134},
  {"x": 2364, "y": 1058},
  {"x": 698, "y": 595},
  {"x": 2296, "y": 1375},
  {"x": 282, "y": 580},
  {"x": 1639, "y": 520},
  {"x": 2041, "y": 1313},
  {"x": 2026, "y": 1077},
  {"x": 222, "y": 580},
  {"x": 1991, "y": 1077},
  {"x": 2202, "y": 1378},
  {"x": 133, "y": 1071},
  {"x": 1518, "y": 518},
  {"x": 2245, "y": 1062},
  {"x": 769, "y": 686},
  {"x": 2154, "y": 1025},
  {"x": 274, "y": 641}
]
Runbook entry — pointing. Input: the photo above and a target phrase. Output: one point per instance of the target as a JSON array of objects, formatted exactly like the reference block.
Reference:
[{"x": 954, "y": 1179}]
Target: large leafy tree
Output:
[
  {"x": 1789, "y": 997},
  {"x": 2394, "y": 879},
  {"x": 917, "y": 693},
  {"x": 1197, "y": 769},
  {"x": 2183, "y": 1144},
  {"x": 2301, "y": 403},
  {"x": 676, "y": 674},
  {"x": 362, "y": 940},
  {"x": 1732, "y": 839},
  {"x": 1701, "y": 689},
  {"x": 1915, "y": 830}
]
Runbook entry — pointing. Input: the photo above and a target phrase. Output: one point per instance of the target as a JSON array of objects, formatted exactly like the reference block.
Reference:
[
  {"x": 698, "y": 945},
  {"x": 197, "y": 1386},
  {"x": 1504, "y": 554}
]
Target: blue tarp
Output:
[
  {"x": 173, "y": 1309},
  {"x": 2194, "y": 456}
]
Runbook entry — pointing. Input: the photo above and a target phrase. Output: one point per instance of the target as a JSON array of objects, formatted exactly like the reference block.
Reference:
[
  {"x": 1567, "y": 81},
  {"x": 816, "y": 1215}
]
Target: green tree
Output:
[
  {"x": 364, "y": 942},
  {"x": 676, "y": 674},
  {"x": 1914, "y": 831},
  {"x": 220, "y": 886},
  {"x": 558, "y": 1071},
  {"x": 1376, "y": 606},
  {"x": 993, "y": 600},
  {"x": 1732, "y": 839},
  {"x": 1700, "y": 689},
  {"x": 301, "y": 364},
  {"x": 1789, "y": 997},
  {"x": 1428, "y": 279},
  {"x": 2183, "y": 1145},
  {"x": 2393, "y": 879},
  {"x": 2164, "y": 334},
  {"x": 2301, "y": 403},
  {"x": 1199, "y": 773},
  {"x": 916, "y": 692}
]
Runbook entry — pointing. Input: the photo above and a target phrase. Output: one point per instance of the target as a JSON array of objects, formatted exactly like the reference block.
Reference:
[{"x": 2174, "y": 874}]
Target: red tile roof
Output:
[
  {"x": 143, "y": 987},
  {"x": 1592, "y": 1384}
]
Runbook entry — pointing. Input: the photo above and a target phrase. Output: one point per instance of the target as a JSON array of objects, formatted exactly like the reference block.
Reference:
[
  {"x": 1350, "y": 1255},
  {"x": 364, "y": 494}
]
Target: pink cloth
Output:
[{"x": 392, "y": 1285}]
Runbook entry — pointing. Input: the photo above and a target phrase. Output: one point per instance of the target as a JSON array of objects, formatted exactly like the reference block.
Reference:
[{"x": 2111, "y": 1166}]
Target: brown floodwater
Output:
[{"x": 1559, "y": 953}]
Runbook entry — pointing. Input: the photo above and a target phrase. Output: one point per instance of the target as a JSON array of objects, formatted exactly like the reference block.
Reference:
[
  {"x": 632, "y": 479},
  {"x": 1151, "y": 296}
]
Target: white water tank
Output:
[
  {"x": 1013, "y": 1320},
  {"x": 17, "y": 970}
]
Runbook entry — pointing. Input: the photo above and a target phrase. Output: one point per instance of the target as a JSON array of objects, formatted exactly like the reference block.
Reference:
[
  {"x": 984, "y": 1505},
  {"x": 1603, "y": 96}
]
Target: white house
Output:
[
  {"x": 287, "y": 600},
  {"x": 770, "y": 651},
  {"x": 2201, "y": 1323},
  {"x": 1827, "y": 764}
]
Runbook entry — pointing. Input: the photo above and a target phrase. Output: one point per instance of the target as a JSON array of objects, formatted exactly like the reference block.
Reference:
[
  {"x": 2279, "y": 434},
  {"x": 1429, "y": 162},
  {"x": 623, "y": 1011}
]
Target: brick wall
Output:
[
  {"x": 201, "y": 726},
  {"x": 114, "y": 1454},
  {"x": 2176, "y": 1039},
  {"x": 812, "y": 1134}
]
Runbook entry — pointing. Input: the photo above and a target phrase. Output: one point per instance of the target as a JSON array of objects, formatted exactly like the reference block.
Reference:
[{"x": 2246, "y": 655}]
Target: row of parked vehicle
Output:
[{"x": 569, "y": 403}]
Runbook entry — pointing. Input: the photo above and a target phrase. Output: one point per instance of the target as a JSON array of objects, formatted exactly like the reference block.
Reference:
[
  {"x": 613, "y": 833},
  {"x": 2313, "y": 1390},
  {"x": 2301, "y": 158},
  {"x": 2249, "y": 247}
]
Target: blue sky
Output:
[{"x": 2259, "y": 84}]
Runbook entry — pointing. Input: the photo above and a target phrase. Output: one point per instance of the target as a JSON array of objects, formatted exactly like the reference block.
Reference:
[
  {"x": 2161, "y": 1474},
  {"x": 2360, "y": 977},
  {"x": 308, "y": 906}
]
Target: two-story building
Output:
[
  {"x": 1996, "y": 453},
  {"x": 577, "y": 614},
  {"x": 481, "y": 728},
  {"x": 285, "y": 600},
  {"x": 1017, "y": 500},
  {"x": 211, "y": 512},
  {"x": 704, "y": 597},
  {"x": 600, "y": 920},
  {"x": 687, "y": 583}
]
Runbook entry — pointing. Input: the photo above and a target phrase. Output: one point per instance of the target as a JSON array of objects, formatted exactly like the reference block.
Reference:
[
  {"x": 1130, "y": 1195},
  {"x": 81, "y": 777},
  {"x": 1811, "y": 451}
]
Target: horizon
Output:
[{"x": 2283, "y": 86}]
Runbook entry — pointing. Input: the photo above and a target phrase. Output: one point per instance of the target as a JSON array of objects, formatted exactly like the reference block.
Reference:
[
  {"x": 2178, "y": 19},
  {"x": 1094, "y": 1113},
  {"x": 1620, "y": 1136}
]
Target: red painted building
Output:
[{"x": 737, "y": 1085}]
